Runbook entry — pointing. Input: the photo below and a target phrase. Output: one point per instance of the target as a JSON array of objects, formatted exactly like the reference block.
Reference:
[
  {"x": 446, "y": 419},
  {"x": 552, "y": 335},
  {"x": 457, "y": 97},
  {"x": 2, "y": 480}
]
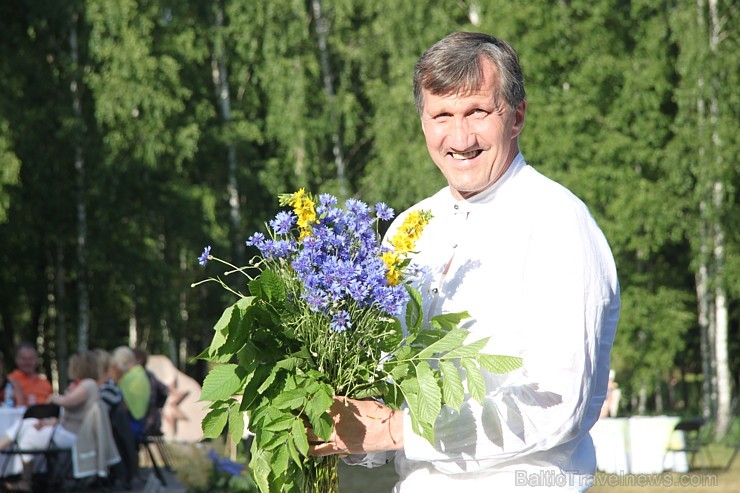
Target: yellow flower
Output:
[
  {"x": 403, "y": 243},
  {"x": 305, "y": 209}
]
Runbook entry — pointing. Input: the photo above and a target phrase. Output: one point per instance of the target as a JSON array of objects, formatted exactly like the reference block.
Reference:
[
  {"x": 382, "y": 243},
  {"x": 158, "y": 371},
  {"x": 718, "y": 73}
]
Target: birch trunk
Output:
[
  {"x": 83, "y": 302},
  {"x": 57, "y": 313},
  {"x": 723, "y": 377},
  {"x": 322, "y": 34},
  {"x": 221, "y": 85}
]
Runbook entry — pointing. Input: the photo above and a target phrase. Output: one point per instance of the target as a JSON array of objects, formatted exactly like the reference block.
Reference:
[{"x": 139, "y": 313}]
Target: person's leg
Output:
[{"x": 29, "y": 438}]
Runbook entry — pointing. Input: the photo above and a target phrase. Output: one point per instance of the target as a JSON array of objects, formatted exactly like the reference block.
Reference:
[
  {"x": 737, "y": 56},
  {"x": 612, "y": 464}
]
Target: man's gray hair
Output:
[
  {"x": 454, "y": 65},
  {"x": 123, "y": 357}
]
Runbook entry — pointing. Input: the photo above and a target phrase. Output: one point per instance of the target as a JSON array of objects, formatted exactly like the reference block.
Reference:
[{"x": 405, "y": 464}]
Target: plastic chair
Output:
[
  {"x": 692, "y": 440},
  {"x": 49, "y": 464}
]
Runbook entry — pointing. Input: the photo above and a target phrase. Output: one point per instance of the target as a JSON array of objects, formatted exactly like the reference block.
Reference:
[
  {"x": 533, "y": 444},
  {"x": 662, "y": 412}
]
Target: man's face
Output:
[
  {"x": 26, "y": 361},
  {"x": 472, "y": 138}
]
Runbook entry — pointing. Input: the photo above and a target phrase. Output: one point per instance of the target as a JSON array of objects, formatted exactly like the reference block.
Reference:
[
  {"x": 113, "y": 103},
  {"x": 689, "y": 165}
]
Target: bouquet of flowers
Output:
[{"x": 323, "y": 318}]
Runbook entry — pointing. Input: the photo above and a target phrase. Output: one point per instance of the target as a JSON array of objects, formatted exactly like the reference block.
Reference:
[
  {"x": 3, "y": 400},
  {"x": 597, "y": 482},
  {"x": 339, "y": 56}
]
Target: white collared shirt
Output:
[{"x": 527, "y": 260}]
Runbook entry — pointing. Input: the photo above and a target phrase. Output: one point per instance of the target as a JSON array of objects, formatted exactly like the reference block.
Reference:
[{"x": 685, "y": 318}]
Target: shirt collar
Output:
[{"x": 489, "y": 194}]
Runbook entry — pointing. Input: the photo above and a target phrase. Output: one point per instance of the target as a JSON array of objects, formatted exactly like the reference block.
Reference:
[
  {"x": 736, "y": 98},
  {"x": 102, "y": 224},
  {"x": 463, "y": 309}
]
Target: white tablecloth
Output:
[
  {"x": 8, "y": 416},
  {"x": 637, "y": 445}
]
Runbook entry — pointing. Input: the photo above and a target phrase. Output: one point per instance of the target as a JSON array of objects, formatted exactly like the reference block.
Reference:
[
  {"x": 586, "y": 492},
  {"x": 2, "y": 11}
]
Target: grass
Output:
[{"x": 707, "y": 477}]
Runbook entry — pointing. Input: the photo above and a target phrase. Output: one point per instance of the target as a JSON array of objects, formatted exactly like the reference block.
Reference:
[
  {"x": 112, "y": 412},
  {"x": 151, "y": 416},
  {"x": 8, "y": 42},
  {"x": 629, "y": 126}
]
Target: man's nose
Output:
[{"x": 462, "y": 136}]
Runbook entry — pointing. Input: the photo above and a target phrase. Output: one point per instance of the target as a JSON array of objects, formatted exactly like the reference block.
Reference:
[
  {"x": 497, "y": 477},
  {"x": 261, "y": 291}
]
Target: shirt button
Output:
[
  {"x": 456, "y": 206},
  {"x": 454, "y": 246},
  {"x": 435, "y": 290}
]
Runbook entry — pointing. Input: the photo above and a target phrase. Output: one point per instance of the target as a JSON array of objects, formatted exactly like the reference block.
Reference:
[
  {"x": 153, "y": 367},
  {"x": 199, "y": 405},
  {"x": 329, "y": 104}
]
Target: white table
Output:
[
  {"x": 8, "y": 417},
  {"x": 637, "y": 445}
]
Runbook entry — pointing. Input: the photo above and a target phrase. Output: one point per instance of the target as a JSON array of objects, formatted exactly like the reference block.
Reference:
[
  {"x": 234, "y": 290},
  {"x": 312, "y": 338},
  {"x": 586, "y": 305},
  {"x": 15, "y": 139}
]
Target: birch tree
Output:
[{"x": 707, "y": 36}]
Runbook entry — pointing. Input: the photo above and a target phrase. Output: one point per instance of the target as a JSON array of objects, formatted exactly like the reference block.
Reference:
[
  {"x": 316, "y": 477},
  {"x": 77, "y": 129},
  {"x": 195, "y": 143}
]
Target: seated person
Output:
[
  {"x": 34, "y": 386},
  {"x": 126, "y": 470},
  {"x": 109, "y": 391},
  {"x": 135, "y": 387},
  {"x": 4, "y": 381},
  {"x": 157, "y": 398},
  {"x": 33, "y": 433}
]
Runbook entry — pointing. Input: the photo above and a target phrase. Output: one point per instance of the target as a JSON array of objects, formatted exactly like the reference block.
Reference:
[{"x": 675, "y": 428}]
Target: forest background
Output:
[{"x": 135, "y": 132}]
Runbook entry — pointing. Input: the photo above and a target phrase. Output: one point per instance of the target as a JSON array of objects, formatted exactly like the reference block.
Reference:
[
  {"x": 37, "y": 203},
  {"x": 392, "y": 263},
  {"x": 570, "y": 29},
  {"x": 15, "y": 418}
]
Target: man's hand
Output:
[
  {"x": 359, "y": 427},
  {"x": 45, "y": 422}
]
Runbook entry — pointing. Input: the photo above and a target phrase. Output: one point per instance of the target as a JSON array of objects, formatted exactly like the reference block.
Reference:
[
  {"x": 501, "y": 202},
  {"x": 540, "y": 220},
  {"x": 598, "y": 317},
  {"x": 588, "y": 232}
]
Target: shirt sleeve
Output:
[{"x": 560, "y": 318}]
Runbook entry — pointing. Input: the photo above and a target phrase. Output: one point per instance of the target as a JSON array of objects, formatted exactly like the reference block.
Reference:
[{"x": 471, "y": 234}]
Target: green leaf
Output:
[
  {"x": 392, "y": 338},
  {"x": 259, "y": 467},
  {"x": 280, "y": 458},
  {"x": 294, "y": 453},
  {"x": 448, "y": 321},
  {"x": 269, "y": 380},
  {"x": 499, "y": 364},
  {"x": 430, "y": 396},
  {"x": 377, "y": 389},
  {"x": 291, "y": 399},
  {"x": 422, "y": 428},
  {"x": 319, "y": 403},
  {"x": 322, "y": 425},
  {"x": 476, "y": 384},
  {"x": 273, "y": 287},
  {"x": 221, "y": 383},
  {"x": 255, "y": 287},
  {"x": 452, "y": 340},
  {"x": 276, "y": 440},
  {"x": 298, "y": 431},
  {"x": 414, "y": 313},
  {"x": 393, "y": 397},
  {"x": 400, "y": 371},
  {"x": 467, "y": 350},
  {"x": 252, "y": 381},
  {"x": 214, "y": 422},
  {"x": 236, "y": 422},
  {"x": 284, "y": 422},
  {"x": 453, "y": 392}
]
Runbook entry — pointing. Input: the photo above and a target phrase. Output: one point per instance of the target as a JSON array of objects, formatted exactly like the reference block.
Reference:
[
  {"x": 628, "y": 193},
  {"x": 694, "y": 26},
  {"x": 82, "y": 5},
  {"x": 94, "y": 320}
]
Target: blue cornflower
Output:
[
  {"x": 283, "y": 222},
  {"x": 391, "y": 300},
  {"x": 222, "y": 464},
  {"x": 283, "y": 248},
  {"x": 341, "y": 321},
  {"x": 357, "y": 207},
  {"x": 203, "y": 259},
  {"x": 257, "y": 240},
  {"x": 384, "y": 212},
  {"x": 327, "y": 200},
  {"x": 315, "y": 301},
  {"x": 358, "y": 290}
]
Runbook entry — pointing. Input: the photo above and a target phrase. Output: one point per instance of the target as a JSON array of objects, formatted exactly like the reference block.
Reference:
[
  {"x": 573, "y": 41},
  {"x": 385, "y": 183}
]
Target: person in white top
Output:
[{"x": 526, "y": 259}]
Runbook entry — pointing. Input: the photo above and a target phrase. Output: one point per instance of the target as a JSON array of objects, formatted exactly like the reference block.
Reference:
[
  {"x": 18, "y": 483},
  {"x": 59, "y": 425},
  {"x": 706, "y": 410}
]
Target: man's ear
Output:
[{"x": 518, "y": 124}]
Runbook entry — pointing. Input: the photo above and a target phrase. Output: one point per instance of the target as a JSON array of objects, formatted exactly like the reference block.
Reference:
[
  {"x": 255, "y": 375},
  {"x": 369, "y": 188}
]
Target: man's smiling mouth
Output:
[{"x": 466, "y": 155}]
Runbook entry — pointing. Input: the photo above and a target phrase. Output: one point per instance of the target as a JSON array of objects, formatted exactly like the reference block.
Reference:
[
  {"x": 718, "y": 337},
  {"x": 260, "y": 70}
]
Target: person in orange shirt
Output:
[
  {"x": 4, "y": 381},
  {"x": 35, "y": 388}
]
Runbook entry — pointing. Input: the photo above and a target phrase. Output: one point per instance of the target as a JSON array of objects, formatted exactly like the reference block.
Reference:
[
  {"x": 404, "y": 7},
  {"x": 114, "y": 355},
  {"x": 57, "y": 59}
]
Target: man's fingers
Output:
[{"x": 325, "y": 448}]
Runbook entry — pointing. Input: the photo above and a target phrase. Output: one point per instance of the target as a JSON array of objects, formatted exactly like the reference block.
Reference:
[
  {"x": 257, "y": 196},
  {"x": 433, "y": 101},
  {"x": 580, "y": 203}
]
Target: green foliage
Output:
[{"x": 9, "y": 170}]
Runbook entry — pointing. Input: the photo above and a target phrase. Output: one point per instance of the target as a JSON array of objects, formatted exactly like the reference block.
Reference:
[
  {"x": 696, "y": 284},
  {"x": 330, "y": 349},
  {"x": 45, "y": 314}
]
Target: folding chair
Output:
[
  {"x": 49, "y": 454},
  {"x": 692, "y": 440}
]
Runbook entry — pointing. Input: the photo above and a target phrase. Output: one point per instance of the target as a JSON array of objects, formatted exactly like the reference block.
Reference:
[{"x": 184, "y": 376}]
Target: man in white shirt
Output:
[{"x": 525, "y": 258}]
